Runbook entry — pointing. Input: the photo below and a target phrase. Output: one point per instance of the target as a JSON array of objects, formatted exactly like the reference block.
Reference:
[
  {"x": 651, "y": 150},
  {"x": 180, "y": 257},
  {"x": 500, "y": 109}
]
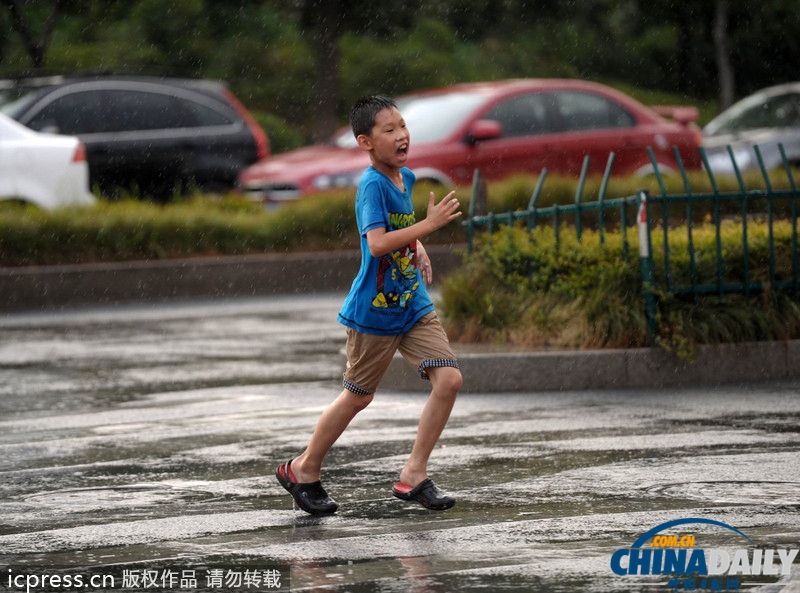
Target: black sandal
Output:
[
  {"x": 310, "y": 496},
  {"x": 425, "y": 493}
]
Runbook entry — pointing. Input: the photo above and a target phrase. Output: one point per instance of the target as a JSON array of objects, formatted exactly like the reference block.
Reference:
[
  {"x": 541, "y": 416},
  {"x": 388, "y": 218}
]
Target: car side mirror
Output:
[{"x": 484, "y": 129}]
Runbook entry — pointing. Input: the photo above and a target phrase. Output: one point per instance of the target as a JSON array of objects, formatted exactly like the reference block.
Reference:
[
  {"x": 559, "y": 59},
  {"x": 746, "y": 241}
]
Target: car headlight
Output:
[{"x": 336, "y": 181}]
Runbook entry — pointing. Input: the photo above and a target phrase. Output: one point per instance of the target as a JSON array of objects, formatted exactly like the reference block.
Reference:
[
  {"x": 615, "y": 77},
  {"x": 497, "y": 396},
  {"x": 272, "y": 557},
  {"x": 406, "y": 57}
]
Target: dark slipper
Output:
[
  {"x": 311, "y": 496},
  {"x": 425, "y": 493}
]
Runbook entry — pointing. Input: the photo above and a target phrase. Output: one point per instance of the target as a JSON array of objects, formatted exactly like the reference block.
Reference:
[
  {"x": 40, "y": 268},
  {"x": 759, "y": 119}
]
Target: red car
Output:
[{"x": 501, "y": 128}]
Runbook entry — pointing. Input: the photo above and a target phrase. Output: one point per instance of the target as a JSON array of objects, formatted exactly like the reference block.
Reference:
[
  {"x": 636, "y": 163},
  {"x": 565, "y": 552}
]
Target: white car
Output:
[
  {"x": 768, "y": 119},
  {"x": 47, "y": 170}
]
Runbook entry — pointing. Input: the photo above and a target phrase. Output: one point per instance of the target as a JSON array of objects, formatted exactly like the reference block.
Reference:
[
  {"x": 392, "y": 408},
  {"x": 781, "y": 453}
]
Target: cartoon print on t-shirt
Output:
[{"x": 397, "y": 278}]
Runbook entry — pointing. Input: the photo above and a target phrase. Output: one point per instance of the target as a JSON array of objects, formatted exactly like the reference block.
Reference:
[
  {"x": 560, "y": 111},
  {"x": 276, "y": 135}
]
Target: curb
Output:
[
  {"x": 57, "y": 287},
  {"x": 486, "y": 370},
  {"x": 640, "y": 368}
]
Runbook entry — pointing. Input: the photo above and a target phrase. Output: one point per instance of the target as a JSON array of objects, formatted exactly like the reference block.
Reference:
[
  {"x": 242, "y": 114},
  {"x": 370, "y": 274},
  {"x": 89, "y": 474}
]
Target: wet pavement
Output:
[{"x": 138, "y": 436}]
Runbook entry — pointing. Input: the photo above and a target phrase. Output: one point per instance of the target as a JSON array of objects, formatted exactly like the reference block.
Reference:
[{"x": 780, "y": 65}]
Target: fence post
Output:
[
  {"x": 664, "y": 217},
  {"x": 534, "y": 197},
  {"x": 793, "y": 187},
  {"x": 578, "y": 196},
  {"x": 770, "y": 215},
  {"x": 601, "y": 211},
  {"x": 478, "y": 193},
  {"x": 646, "y": 259}
]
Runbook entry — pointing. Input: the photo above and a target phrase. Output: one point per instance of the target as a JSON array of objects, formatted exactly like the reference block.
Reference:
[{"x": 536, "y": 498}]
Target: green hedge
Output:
[
  {"x": 517, "y": 288},
  {"x": 139, "y": 230},
  {"x": 114, "y": 231}
]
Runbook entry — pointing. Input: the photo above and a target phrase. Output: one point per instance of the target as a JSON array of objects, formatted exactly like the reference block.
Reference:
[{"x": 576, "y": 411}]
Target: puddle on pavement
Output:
[
  {"x": 96, "y": 500},
  {"x": 733, "y": 492}
]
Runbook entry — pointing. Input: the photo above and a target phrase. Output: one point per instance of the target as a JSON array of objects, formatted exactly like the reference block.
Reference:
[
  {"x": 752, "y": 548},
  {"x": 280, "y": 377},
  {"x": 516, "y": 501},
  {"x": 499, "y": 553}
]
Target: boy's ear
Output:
[{"x": 364, "y": 142}]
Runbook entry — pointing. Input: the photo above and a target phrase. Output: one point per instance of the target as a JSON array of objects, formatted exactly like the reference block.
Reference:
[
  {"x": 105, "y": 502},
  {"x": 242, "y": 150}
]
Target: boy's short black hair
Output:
[{"x": 363, "y": 113}]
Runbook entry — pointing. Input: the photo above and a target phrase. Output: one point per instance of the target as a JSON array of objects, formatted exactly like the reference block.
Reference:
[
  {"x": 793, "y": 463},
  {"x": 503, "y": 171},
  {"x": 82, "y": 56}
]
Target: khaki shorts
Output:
[{"x": 368, "y": 356}]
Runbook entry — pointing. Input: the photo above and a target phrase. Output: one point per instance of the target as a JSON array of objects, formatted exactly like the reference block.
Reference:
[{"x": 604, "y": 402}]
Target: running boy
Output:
[{"x": 388, "y": 309}]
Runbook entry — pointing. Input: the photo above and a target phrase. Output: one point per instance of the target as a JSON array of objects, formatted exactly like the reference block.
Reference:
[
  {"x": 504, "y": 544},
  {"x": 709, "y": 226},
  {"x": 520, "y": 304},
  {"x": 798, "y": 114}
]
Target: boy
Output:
[{"x": 387, "y": 309}]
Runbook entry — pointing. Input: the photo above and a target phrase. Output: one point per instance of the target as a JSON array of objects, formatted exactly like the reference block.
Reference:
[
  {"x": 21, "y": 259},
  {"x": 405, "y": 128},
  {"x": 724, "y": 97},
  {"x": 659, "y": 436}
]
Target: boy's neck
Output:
[{"x": 393, "y": 173}]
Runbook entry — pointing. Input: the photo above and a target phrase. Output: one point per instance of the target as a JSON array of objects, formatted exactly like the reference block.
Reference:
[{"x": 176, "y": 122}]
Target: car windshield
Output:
[
  {"x": 429, "y": 118},
  {"x": 758, "y": 111}
]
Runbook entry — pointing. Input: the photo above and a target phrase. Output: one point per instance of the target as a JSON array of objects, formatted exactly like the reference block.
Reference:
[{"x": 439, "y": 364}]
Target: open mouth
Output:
[{"x": 402, "y": 151}]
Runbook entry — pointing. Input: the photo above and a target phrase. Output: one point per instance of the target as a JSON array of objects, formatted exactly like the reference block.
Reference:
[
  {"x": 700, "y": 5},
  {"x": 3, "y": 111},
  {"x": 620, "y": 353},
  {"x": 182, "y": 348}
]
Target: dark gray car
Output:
[
  {"x": 765, "y": 119},
  {"x": 153, "y": 135}
]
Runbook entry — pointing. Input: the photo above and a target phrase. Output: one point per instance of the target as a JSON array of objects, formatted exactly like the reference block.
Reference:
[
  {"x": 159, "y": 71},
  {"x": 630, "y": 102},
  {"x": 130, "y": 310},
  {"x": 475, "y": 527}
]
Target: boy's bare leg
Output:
[
  {"x": 332, "y": 423},
  {"x": 446, "y": 382}
]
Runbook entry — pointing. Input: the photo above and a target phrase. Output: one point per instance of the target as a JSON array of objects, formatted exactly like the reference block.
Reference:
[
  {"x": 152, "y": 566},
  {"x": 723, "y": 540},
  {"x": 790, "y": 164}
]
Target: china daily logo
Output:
[{"x": 693, "y": 568}]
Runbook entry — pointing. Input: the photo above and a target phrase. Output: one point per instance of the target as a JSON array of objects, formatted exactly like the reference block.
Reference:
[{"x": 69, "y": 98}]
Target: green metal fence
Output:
[{"x": 653, "y": 215}]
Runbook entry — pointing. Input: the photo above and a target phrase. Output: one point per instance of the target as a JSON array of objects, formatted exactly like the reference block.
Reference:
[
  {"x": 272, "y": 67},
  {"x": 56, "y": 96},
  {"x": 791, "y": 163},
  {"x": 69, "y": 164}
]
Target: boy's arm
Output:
[{"x": 381, "y": 241}]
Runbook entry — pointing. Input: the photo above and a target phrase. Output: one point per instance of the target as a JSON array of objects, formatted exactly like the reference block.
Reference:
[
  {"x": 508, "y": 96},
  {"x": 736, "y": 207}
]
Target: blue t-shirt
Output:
[{"x": 388, "y": 295}]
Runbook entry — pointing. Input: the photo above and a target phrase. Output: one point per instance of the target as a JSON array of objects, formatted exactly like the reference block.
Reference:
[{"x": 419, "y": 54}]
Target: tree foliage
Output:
[{"x": 305, "y": 61}]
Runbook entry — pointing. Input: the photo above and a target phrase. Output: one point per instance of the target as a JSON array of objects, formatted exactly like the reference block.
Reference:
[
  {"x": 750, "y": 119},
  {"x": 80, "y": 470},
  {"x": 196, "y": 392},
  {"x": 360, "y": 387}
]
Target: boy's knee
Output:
[
  {"x": 446, "y": 381},
  {"x": 357, "y": 401}
]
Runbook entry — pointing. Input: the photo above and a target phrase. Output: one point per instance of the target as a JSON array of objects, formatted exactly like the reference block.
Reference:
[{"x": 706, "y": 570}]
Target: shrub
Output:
[
  {"x": 132, "y": 229},
  {"x": 518, "y": 288}
]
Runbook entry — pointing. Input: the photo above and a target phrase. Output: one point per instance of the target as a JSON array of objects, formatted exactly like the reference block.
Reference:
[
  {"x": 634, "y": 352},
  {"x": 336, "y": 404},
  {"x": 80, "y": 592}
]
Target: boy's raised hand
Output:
[{"x": 444, "y": 212}]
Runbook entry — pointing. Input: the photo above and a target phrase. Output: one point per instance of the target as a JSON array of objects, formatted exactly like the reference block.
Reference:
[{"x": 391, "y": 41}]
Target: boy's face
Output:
[{"x": 389, "y": 141}]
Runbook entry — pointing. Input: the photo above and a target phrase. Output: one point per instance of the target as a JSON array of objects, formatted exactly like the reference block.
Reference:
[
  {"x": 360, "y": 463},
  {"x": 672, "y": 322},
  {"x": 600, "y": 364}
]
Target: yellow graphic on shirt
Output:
[{"x": 397, "y": 278}]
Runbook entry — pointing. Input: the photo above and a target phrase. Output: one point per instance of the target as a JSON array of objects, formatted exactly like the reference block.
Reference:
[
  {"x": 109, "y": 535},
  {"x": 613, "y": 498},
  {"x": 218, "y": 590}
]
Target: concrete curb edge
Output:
[
  {"x": 641, "y": 368},
  {"x": 44, "y": 288}
]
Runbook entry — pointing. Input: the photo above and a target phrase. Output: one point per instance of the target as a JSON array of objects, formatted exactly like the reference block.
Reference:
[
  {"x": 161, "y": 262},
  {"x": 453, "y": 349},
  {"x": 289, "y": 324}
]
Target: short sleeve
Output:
[{"x": 372, "y": 207}]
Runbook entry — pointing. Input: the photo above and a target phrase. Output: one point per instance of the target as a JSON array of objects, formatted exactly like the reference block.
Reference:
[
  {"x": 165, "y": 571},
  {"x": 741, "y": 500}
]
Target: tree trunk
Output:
[
  {"x": 327, "y": 31},
  {"x": 684, "y": 23},
  {"x": 723, "y": 55},
  {"x": 36, "y": 48}
]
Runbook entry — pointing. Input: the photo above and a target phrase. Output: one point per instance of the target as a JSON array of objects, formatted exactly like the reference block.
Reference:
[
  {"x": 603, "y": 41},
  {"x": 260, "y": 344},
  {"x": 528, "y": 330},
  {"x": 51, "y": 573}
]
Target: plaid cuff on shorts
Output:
[
  {"x": 349, "y": 385},
  {"x": 433, "y": 363}
]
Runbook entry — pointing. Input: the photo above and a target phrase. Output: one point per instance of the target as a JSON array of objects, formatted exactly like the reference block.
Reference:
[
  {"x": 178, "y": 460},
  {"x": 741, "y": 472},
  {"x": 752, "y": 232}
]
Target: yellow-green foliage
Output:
[
  {"x": 132, "y": 229},
  {"x": 518, "y": 288},
  {"x": 135, "y": 229},
  {"x": 515, "y": 192},
  {"x": 732, "y": 243}
]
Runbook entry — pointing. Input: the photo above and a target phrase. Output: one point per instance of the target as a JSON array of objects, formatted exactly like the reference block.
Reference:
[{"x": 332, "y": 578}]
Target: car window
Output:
[
  {"x": 202, "y": 115},
  {"x": 587, "y": 111},
  {"x": 785, "y": 110},
  {"x": 74, "y": 113},
  {"x": 128, "y": 111},
  {"x": 759, "y": 111},
  {"x": 525, "y": 115}
]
